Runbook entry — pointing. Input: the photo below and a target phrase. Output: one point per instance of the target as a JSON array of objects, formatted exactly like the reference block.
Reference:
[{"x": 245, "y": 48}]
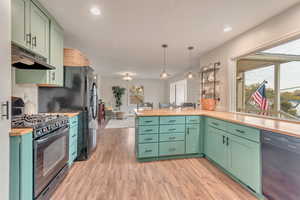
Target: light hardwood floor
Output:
[{"x": 112, "y": 173}]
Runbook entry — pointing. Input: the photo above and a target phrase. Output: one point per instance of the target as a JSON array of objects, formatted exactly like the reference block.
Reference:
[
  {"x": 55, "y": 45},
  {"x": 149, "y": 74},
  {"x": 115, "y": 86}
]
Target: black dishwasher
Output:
[{"x": 280, "y": 166}]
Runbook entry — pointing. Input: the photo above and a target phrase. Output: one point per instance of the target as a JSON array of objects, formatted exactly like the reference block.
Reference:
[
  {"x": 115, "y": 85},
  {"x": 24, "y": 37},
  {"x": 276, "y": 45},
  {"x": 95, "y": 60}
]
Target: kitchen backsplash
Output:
[{"x": 28, "y": 92}]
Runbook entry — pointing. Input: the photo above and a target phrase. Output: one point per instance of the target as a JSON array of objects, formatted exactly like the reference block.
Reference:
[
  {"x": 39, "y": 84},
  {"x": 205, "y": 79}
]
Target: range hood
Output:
[{"x": 24, "y": 59}]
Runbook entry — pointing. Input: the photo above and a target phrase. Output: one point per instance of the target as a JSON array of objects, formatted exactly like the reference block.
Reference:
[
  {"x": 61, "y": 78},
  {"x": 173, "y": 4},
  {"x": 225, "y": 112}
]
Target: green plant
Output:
[{"x": 118, "y": 93}]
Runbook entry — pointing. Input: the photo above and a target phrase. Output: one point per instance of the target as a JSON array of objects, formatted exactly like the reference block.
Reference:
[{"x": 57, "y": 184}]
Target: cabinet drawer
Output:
[
  {"x": 148, "y": 129},
  {"x": 171, "y": 137},
  {"x": 144, "y": 121},
  {"x": 216, "y": 123},
  {"x": 148, "y": 138},
  {"x": 148, "y": 150},
  {"x": 244, "y": 131},
  {"x": 172, "y": 129},
  {"x": 193, "y": 119},
  {"x": 171, "y": 148},
  {"x": 172, "y": 120}
]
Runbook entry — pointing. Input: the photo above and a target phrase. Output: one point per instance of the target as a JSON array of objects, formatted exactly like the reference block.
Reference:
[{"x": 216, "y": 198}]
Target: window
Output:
[{"x": 279, "y": 69}]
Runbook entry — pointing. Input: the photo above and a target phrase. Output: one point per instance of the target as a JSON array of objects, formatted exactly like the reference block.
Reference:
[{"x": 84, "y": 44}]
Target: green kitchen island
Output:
[{"x": 231, "y": 141}]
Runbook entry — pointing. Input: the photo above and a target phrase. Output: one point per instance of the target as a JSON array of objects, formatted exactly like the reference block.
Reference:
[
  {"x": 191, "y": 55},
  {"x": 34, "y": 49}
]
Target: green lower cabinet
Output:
[
  {"x": 21, "y": 167},
  {"x": 148, "y": 150},
  {"x": 244, "y": 161},
  {"x": 73, "y": 139},
  {"x": 215, "y": 146},
  {"x": 171, "y": 148},
  {"x": 192, "y": 140},
  {"x": 239, "y": 156}
]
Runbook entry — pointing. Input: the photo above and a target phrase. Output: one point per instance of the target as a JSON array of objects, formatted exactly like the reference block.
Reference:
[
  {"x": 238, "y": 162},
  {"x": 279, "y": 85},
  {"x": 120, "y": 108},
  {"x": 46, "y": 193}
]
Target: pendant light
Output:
[
  {"x": 164, "y": 74},
  {"x": 190, "y": 74},
  {"x": 127, "y": 77}
]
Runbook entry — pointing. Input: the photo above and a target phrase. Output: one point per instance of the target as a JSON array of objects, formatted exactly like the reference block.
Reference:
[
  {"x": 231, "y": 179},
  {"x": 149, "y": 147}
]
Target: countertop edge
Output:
[{"x": 20, "y": 131}]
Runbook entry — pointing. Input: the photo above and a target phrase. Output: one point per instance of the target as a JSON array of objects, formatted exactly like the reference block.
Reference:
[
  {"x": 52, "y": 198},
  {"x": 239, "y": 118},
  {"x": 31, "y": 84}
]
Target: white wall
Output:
[
  {"x": 5, "y": 92},
  {"x": 28, "y": 92},
  {"x": 276, "y": 29},
  {"x": 154, "y": 90}
]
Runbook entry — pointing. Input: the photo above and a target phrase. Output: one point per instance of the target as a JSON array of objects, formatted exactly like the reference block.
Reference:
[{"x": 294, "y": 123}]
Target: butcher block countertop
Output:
[
  {"x": 70, "y": 114},
  {"x": 20, "y": 131},
  {"x": 275, "y": 125}
]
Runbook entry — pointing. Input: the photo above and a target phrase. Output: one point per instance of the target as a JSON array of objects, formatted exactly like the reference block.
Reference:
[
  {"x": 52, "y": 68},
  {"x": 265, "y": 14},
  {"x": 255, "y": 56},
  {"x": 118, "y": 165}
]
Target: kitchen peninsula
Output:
[{"x": 232, "y": 141}]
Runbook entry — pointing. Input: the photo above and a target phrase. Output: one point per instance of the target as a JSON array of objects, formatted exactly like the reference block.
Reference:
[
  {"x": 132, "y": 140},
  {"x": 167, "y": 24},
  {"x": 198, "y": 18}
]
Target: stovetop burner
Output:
[{"x": 41, "y": 123}]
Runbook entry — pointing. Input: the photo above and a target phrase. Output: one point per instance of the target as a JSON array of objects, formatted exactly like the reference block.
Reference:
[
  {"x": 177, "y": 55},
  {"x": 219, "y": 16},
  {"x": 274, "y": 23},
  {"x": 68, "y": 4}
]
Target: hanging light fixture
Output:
[
  {"x": 164, "y": 74},
  {"x": 190, "y": 74},
  {"x": 127, "y": 77}
]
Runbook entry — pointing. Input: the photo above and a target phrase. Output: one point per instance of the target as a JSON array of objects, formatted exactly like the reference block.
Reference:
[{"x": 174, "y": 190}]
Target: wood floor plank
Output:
[{"x": 112, "y": 173}]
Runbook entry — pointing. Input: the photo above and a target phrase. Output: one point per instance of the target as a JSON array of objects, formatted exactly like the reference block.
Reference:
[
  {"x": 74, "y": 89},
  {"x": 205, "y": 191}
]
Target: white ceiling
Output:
[{"x": 129, "y": 33}]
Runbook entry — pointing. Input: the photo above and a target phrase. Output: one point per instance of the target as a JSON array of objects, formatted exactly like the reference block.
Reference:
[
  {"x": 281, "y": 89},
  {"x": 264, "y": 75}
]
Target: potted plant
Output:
[{"x": 118, "y": 92}]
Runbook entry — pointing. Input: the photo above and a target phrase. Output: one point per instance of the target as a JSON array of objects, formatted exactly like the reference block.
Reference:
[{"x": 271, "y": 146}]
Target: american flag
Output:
[{"x": 260, "y": 97}]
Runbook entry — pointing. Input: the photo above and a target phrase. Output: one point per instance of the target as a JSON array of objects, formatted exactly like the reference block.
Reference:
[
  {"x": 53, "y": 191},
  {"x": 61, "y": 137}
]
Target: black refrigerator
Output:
[{"x": 79, "y": 94}]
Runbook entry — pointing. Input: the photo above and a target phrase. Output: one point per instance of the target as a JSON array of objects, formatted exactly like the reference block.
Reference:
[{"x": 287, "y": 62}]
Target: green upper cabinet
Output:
[
  {"x": 20, "y": 22},
  {"x": 56, "y": 54},
  {"x": 36, "y": 30},
  {"x": 192, "y": 142},
  {"x": 39, "y": 29}
]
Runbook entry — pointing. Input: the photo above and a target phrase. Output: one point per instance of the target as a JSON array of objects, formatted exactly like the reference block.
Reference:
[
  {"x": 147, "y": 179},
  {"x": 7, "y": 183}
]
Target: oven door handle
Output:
[{"x": 48, "y": 137}]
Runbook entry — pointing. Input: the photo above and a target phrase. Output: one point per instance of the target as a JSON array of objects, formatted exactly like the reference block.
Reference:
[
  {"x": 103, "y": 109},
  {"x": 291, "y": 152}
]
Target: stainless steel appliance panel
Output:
[{"x": 280, "y": 166}]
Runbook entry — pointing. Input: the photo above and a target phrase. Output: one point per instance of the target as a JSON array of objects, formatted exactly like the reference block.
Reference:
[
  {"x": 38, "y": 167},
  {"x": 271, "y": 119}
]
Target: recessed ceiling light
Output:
[
  {"x": 227, "y": 29},
  {"x": 95, "y": 11}
]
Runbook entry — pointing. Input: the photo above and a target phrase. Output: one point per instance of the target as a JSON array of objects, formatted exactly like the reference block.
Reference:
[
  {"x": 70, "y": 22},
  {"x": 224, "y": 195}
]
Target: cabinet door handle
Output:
[
  {"x": 172, "y": 149},
  {"x": 172, "y": 121},
  {"x": 28, "y": 38},
  {"x": 148, "y": 139},
  {"x": 188, "y": 131},
  {"x": 240, "y": 131},
  {"x": 148, "y": 130},
  {"x": 172, "y": 138},
  {"x": 34, "y": 41},
  {"x": 214, "y": 123},
  {"x": 148, "y": 121},
  {"x": 148, "y": 151},
  {"x": 223, "y": 139},
  {"x": 227, "y": 141}
]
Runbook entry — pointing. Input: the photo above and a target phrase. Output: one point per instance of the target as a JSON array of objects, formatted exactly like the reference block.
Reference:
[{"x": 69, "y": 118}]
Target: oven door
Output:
[{"x": 51, "y": 154}]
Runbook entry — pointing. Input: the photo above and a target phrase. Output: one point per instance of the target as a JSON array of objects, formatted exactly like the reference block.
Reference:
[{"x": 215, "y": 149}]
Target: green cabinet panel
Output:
[
  {"x": 171, "y": 148},
  {"x": 146, "y": 121},
  {"x": 20, "y": 22},
  {"x": 148, "y": 138},
  {"x": 172, "y": 128},
  {"x": 193, "y": 119},
  {"x": 56, "y": 54},
  {"x": 244, "y": 161},
  {"x": 215, "y": 146},
  {"x": 244, "y": 131},
  {"x": 39, "y": 29},
  {"x": 148, "y": 129},
  {"x": 148, "y": 150},
  {"x": 192, "y": 141},
  {"x": 171, "y": 137},
  {"x": 21, "y": 167},
  {"x": 219, "y": 124},
  {"x": 172, "y": 120},
  {"x": 73, "y": 139}
]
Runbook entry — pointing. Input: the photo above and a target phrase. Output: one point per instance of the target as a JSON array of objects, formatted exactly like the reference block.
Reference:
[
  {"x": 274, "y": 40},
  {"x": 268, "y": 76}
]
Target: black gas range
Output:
[
  {"x": 42, "y": 124},
  {"x": 50, "y": 149}
]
